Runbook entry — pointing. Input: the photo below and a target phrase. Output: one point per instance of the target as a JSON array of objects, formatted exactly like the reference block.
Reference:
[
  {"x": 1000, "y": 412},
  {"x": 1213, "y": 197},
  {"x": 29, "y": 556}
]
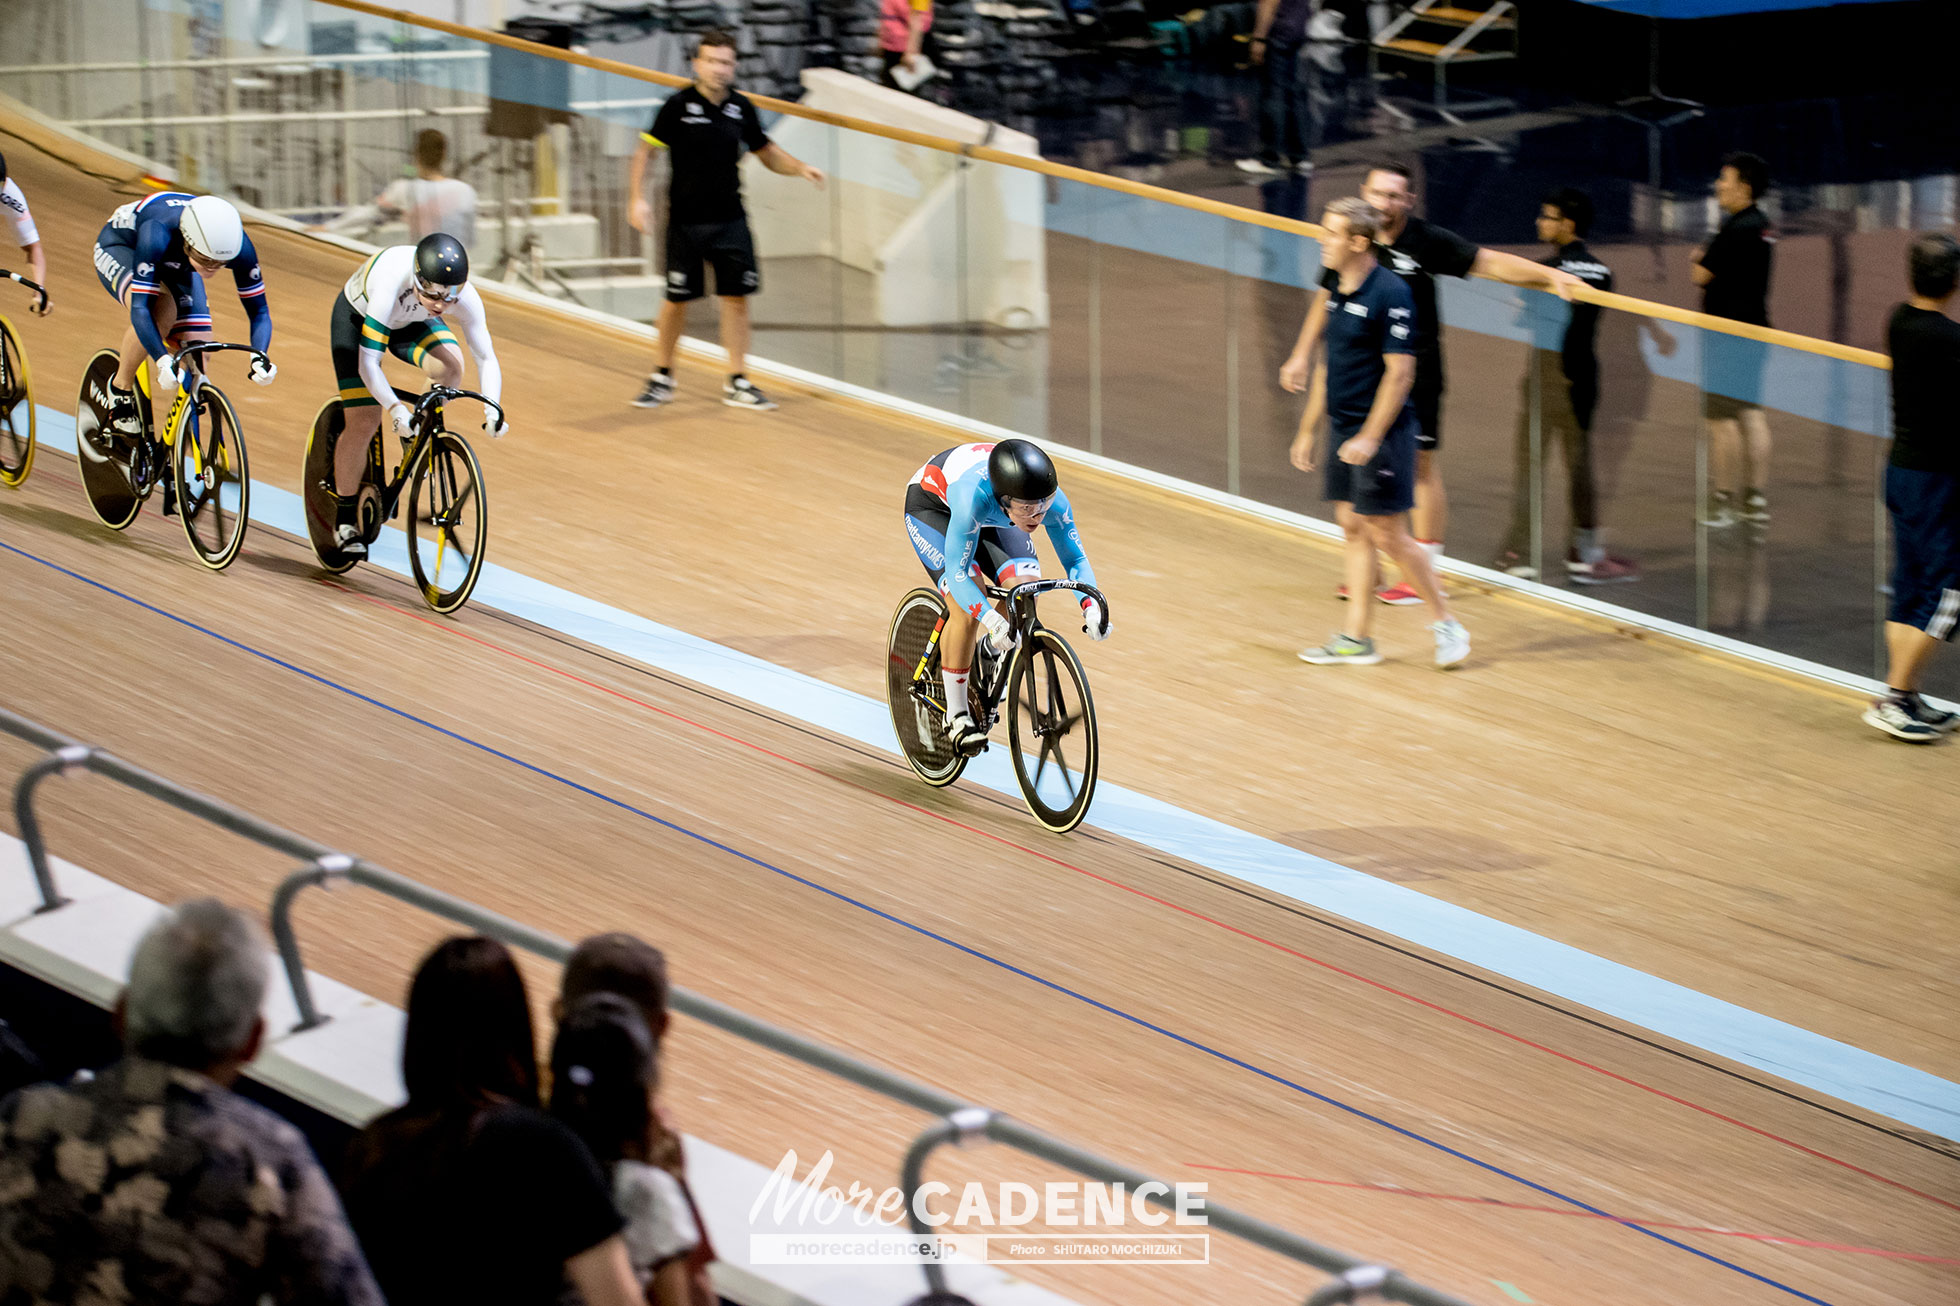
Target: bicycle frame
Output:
[
  {"x": 187, "y": 391},
  {"x": 1023, "y": 619},
  {"x": 422, "y": 435}
]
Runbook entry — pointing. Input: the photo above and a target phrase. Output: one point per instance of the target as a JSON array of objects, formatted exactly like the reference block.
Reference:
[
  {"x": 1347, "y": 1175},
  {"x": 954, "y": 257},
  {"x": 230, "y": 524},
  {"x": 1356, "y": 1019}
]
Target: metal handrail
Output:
[{"x": 957, "y": 1119}]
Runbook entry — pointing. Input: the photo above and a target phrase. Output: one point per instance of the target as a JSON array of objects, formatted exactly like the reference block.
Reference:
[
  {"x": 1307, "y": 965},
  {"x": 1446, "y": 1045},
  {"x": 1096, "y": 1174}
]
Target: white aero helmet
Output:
[{"x": 212, "y": 229}]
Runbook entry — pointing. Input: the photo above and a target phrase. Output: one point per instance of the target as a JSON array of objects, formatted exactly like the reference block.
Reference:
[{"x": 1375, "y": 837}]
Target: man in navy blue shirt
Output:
[{"x": 1363, "y": 393}]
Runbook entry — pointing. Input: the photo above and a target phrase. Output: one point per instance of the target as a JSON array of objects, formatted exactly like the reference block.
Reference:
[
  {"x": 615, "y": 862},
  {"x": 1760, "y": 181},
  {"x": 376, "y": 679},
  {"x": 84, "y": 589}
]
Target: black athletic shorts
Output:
[
  {"x": 1427, "y": 398},
  {"x": 1384, "y": 485},
  {"x": 726, "y": 245}
]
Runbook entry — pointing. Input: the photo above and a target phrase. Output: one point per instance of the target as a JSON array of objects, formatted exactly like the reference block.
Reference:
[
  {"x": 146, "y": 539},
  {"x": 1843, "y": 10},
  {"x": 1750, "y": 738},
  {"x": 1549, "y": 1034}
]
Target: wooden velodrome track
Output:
[{"x": 1732, "y": 831}]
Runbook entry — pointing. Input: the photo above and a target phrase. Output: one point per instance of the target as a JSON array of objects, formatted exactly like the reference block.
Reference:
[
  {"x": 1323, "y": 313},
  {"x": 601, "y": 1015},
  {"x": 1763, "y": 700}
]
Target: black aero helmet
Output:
[
  {"x": 1018, "y": 469},
  {"x": 442, "y": 265}
]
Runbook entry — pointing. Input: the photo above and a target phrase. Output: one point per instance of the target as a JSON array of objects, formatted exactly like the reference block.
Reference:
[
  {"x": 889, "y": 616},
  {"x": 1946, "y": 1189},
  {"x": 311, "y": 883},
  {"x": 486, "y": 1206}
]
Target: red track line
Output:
[
  {"x": 1397, "y": 1190},
  {"x": 1150, "y": 897}
]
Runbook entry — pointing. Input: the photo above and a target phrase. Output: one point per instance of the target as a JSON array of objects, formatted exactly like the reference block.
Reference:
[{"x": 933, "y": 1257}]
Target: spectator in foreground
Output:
[
  {"x": 428, "y": 202},
  {"x": 604, "y": 1073},
  {"x": 630, "y": 968},
  {"x": 155, "y": 1183},
  {"x": 1733, "y": 273},
  {"x": 1922, "y": 490},
  {"x": 468, "y": 1192},
  {"x": 1564, "y": 371}
]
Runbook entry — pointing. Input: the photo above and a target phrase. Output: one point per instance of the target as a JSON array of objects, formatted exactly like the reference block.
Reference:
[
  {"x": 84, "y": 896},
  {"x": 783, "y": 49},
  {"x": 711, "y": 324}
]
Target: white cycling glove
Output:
[
  {"x": 1094, "y": 623},
  {"x": 399, "y": 420},
  {"x": 1000, "y": 632},
  {"x": 495, "y": 427},
  {"x": 263, "y": 370},
  {"x": 167, "y": 379}
]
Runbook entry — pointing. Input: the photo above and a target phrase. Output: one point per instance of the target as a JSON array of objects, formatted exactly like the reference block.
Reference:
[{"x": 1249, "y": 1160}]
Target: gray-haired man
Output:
[{"x": 154, "y": 1182}]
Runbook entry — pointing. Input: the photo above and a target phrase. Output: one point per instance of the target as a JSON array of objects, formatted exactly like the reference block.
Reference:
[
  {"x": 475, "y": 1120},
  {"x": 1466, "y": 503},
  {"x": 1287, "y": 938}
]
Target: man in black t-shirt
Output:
[
  {"x": 1922, "y": 490},
  {"x": 1733, "y": 273},
  {"x": 1564, "y": 371},
  {"x": 1419, "y": 252},
  {"x": 1364, "y": 394},
  {"x": 705, "y": 128}
]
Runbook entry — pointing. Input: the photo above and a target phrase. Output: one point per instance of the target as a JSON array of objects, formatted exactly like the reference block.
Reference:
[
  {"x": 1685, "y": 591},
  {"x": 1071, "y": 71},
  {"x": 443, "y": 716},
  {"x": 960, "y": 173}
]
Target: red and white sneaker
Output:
[
  {"x": 1397, "y": 596},
  {"x": 1607, "y": 570}
]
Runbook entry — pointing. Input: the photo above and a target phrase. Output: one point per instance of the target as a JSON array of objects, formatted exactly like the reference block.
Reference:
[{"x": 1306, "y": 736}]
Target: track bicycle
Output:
[
  {"x": 448, "y": 518},
  {"x": 199, "y": 459},
  {"x": 16, "y": 395},
  {"x": 1039, "y": 686}
]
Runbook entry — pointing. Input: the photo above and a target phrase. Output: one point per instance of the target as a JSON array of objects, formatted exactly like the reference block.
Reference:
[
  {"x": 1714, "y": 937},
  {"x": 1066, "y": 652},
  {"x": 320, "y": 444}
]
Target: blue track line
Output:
[{"x": 1228, "y": 1058}]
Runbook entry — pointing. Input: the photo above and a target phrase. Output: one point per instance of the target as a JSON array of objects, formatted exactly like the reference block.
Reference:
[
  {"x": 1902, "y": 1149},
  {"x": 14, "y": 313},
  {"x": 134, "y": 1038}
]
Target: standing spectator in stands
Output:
[
  {"x": 1564, "y": 372},
  {"x": 1922, "y": 490},
  {"x": 1279, "y": 30},
  {"x": 604, "y": 1073},
  {"x": 428, "y": 202},
  {"x": 14, "y": 202},
  {"x": 704, "y": 128},
  {"x": 1419, "y": 252},
  {"x": 154, "y": 1182},
  {"x": 635, "y": 970},
  {"x": 1363, "y": 392},
  {"x": 468, "y": 1192},
  {"x": 902, "y": 28},
  {"x": 1733, "y": 273}
]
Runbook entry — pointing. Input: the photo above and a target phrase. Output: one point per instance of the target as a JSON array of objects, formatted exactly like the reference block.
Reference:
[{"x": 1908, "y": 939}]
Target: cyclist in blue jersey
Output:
[
  {"x": 152, "y": 256},
  {"x": 968, "y": 513}
]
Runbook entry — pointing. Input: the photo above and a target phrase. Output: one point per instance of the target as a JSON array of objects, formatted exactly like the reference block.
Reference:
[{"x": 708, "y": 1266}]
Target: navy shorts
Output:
[
  {"x": 1004, "y": 554},
  {"x": 1925, "y": 508},
  {"x": 115, "y": 268},
  {"x": 1384, "y": 485}
]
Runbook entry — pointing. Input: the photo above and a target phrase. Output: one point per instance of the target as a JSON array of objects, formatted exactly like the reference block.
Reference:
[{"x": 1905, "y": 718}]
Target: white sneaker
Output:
[
  {"x": 1896, "y": 720},
  {"x": 1452, "y": 644},
  {"x": 742, "y": 393},
  {"x": 347, "y": 538}
]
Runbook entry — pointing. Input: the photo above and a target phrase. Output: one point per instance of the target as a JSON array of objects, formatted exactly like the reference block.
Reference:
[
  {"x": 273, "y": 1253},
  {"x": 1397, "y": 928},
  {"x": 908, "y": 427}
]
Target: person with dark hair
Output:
[
  {"x": 1419, "y": 252},
  {"x": 604, "y": 1074},
  {"x": 1733, "y": 273},
  {"x": 705, "y": 128},
  {"x": 469, "y": 1192},
  {"x": 14, "y": 203},
  {"x": 428, "y": 202},
  {"x": 154, "y": 1182},
  {"x": 627, "y": 967},
  {"x": 1564, "y": 372},
  {"x": 1922, "y": 490}
]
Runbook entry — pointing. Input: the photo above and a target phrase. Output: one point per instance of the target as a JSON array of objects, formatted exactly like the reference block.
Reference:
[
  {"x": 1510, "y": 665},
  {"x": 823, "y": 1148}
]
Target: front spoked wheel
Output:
[
  {"x": 213, "y": 480},
  {"x": 1051, "y": 731},
  {"x": 914, "y": 692},
  {"x": 448, "y": 523},
  {"x": 16, "y": 409}
]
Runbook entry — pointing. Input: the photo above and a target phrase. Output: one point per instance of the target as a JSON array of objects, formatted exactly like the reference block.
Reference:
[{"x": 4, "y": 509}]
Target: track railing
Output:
[{"x": 956, "y": 1121}]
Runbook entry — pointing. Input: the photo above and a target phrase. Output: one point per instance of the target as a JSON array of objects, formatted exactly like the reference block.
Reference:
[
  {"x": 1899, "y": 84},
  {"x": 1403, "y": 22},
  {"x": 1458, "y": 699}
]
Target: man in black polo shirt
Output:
[
  {"x": 1922, "y": 490},
  {"x": 1364, "y": 394},
  {"x": 1419, "y": 252},
  {"x": 1564, "y": 369},
  {"x": 1733, "y": 273},
  {"x": 704, "y": 128}
]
